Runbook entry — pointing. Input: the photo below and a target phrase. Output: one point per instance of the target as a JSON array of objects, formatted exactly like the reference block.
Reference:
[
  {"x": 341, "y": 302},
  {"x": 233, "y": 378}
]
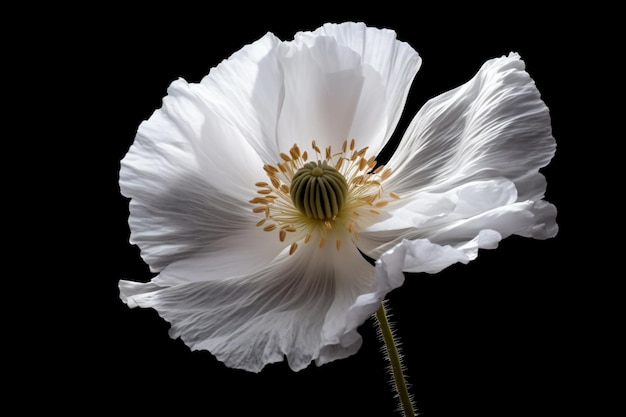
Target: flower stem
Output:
[{"x": 395, "y": 361}]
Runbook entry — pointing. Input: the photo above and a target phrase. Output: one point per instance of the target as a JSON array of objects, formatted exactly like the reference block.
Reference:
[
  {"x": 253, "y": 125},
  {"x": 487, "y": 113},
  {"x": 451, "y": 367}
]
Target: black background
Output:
[{"x": 498, "y": 337}]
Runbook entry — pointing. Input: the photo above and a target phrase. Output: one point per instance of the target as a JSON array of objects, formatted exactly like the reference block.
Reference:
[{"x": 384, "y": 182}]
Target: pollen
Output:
[{"x": 326, "y": 195}]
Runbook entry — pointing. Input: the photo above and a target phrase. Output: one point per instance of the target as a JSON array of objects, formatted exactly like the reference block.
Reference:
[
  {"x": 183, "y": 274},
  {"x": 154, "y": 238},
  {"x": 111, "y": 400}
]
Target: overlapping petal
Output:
[
  {"x": 174, "y": 174},
  {"x": 345, "y": 81},
  {"x": 393, "y": 61},
  {"x": 293, "y": 307}
]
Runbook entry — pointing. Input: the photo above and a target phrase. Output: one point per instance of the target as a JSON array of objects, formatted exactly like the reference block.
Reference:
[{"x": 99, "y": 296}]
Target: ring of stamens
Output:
[{"x": 320, "y": 199}]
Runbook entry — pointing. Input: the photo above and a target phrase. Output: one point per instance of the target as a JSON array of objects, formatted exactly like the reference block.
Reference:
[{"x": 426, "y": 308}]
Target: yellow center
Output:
[{"x": 330, "y": 198}]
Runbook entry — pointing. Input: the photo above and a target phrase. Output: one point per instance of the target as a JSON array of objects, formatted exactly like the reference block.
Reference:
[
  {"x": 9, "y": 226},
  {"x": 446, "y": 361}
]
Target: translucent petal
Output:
[
  {"x": 495, "y": 125},
  {"x": 395, "y": 62},
  {"x": 248, "y": 89},
  {"x": 295, "y": 307},
  {"x": 356, "y": 80}
]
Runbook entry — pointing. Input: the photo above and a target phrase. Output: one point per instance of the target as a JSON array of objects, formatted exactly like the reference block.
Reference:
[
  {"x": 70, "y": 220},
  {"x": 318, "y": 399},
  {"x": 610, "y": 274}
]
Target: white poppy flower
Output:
[{"x": 253, "y": 191}]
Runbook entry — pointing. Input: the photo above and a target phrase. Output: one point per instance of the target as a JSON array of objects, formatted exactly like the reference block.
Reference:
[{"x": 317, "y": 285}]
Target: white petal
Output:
[
  {"x": 424, "y": 215},
  {"x": 544, "y": 221},
  {"x": 248, "y": 89},
  {"x": 495, "y": 125},
  {"x": 323, "y": 84},
  {"x": 424, "y": 256},
  {"x": 192, "y": 168},
  {"x": 174, "y": 218},
  {"x": 342, "y": 82},
  {"x": 295, "y": 307},
  {"x": 419, "y": 255},
  {"x": 394, "y": 61}
]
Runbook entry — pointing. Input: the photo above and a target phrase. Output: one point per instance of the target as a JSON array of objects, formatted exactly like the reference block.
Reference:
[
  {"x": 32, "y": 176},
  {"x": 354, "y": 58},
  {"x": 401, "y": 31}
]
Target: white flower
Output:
[{"x": 253, "y": 191}]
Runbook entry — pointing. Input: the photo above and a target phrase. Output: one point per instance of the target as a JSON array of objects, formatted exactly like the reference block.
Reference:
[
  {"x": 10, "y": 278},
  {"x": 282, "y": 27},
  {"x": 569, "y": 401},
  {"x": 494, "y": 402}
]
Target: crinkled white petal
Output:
[
  {"x": 495, "y": 125},
  {"x": 248, "y": 90},
  {"x": 342, "y": 82},
  {"x": 294, "y": 307},
  {"x": 192, "y": 167},
  {"x": 395, "y": 62},
  {"x": 456, "y": 216},
  {"x": 418, "y": 255}
]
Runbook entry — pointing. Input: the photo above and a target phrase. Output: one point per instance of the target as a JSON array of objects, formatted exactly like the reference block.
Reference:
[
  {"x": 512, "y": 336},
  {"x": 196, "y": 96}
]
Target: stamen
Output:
[
  {"x": 270, "y": 169},
  {"x": 315, "y": 148},
  {"x": 259, "y": 200},
  {"x": 323, "y": 197},
  {"x": 294, "y": 152}
]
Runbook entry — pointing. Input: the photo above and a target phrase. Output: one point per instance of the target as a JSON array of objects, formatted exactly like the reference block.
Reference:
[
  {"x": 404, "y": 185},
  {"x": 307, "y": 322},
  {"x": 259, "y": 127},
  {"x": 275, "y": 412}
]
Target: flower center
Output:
[
  {"x": 330, "y": 198},
  {"x": 319, "y": 191}
]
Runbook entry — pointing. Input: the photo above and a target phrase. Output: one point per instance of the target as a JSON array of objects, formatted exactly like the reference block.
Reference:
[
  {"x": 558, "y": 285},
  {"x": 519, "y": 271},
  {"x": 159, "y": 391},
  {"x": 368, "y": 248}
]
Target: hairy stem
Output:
[{"x": 396, "y": 363}]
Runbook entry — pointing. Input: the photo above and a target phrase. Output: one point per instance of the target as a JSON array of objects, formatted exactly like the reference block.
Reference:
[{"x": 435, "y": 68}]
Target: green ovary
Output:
[{"x": 319, "y": 191}]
